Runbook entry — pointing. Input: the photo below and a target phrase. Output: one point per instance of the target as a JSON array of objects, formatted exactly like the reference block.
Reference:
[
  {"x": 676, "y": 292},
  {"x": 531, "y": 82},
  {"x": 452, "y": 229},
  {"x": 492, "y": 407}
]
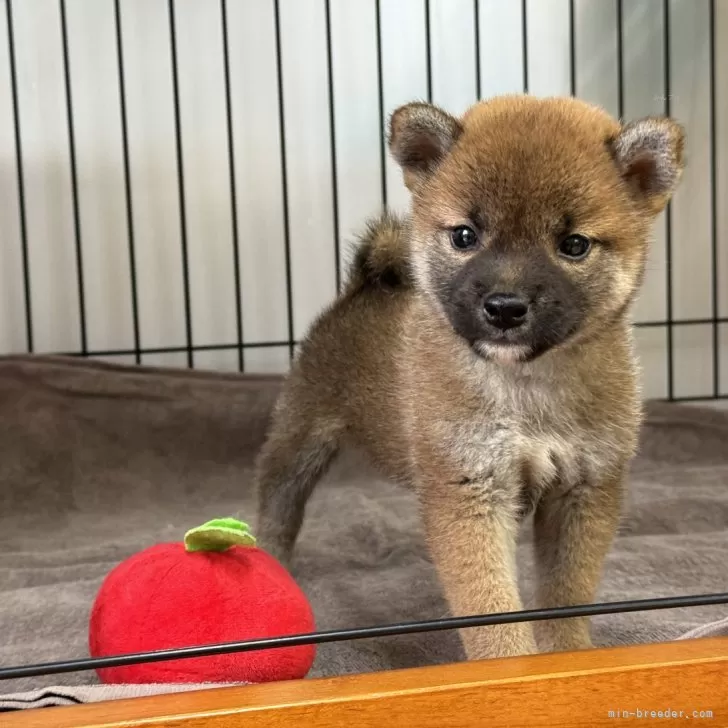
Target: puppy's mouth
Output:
[
  {"x": 508, "y": 348},
  {"x": 504, "y": 352}
]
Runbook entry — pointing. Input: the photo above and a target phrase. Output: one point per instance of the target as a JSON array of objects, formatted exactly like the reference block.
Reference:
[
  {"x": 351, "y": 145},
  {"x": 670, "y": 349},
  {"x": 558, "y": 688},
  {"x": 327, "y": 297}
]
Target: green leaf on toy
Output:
[{"x": 219, "y": 534}]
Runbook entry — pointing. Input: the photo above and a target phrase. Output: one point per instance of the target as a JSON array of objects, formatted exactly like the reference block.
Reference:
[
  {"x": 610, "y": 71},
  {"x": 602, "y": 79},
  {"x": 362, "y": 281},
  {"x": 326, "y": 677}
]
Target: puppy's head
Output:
[{"x": 531, "y": 217}]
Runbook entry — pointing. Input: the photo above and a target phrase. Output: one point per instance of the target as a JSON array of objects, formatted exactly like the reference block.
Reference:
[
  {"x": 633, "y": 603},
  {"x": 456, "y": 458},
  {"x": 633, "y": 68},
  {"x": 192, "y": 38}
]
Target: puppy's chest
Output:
[
  {"x": 535, "y": 454},
  {"x": 530, "y": 449},
  {"x": 539, "y": 456}
]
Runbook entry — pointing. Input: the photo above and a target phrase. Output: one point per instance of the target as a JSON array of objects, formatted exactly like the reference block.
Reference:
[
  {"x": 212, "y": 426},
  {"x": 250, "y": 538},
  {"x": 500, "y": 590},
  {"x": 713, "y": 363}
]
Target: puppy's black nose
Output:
[{"x": 505, "y": 310}]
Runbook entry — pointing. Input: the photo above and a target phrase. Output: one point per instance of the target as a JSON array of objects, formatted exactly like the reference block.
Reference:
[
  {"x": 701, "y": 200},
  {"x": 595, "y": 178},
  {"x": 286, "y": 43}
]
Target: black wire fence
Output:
[{"x": 631, "y": 57}]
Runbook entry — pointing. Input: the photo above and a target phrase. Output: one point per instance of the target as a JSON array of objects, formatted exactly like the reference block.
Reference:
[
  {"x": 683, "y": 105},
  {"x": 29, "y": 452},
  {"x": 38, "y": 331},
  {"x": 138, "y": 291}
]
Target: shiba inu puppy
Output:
[{"x": 481, "y": 352}]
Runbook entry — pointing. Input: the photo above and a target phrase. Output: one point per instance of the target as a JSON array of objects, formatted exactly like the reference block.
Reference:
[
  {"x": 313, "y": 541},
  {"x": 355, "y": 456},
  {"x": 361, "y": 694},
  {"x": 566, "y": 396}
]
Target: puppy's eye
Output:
[
  {"x": 575, "y": 247},
  {"x": 463, "y": 238}
]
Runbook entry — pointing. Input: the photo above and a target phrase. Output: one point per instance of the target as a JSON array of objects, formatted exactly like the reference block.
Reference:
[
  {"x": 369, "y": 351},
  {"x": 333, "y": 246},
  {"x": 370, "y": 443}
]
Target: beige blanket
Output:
[{"x": 99, "y": 462}]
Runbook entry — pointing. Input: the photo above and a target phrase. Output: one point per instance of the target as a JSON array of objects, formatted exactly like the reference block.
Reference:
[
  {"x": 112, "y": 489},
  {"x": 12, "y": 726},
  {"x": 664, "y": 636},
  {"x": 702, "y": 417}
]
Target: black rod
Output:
[
  {"x": 339, "y": 635},
  {"x": 233, "y": 187},
  {"x": 380, "y": 87},
  {"x": 428, "y": 49},
  {"x": 714, "y": 210},
  {"x": 524, "y": 43},
  {"x": 181, "y": 187},
  {"x": 572, "y": 48},
  {"x": 332, "y": 146},
  {"x": 74, "y": 179},
  {"x": 284, "y": 178},
  {"x": 668, "y": 216},
  {"x": 684, "y": 322},
  {"x": 179, "y": 349},
  {"x": 476, "y": 26},
  {"x": 21, "y": 183},
  {"x": 698, "y": 398},
  {"x": 620, "y": 60},
  {"x": 127, "y": 183}
]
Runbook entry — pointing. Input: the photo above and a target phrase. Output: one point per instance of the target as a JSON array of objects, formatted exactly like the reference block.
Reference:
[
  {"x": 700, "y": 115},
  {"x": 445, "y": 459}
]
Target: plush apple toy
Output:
[{"x": 214, "y": 587}]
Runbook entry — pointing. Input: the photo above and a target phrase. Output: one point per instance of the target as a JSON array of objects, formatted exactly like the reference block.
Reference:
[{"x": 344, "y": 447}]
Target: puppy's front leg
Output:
[
  {"x": 573, "y": 531},
  {"x": 472, "y": 540}
]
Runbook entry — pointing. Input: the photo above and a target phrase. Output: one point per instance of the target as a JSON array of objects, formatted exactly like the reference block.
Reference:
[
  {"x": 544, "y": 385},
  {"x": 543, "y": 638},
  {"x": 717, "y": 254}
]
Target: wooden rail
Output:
[{"x": 601, "y": 687}]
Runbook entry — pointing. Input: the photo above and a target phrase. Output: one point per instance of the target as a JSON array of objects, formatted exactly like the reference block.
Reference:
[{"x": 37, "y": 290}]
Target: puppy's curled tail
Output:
[{"x": 381, "y": 258}]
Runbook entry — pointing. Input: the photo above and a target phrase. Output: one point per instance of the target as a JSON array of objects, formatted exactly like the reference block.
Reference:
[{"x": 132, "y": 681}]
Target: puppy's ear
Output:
[
  {"x": 650, "y": 154},
  {"x": 420, "y": 135}
]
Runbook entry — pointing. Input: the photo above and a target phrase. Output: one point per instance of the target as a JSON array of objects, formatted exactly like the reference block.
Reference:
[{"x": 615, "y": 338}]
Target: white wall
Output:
[{"x": 326, "y": 195}]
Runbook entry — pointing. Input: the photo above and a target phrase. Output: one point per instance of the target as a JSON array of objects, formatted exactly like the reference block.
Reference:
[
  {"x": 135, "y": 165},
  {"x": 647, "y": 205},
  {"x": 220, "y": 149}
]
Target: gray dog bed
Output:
[{"x": 99, "y": 462}]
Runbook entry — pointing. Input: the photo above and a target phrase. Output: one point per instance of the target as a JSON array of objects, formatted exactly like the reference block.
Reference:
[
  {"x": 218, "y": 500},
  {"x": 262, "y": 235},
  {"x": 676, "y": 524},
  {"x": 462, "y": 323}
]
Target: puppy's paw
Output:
[
  {"x": 563, "y": 635},
  {"x": 484, "y": 643}
]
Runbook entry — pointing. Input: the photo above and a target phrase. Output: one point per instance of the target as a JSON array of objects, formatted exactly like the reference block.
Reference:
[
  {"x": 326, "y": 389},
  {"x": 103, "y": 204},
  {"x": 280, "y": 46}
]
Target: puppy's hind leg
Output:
[{"x": 300, "y": 447}]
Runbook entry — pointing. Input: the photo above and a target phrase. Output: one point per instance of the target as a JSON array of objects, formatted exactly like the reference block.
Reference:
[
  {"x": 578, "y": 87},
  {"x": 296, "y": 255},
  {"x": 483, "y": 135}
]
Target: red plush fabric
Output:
[{"x": 164, "y": 597}]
